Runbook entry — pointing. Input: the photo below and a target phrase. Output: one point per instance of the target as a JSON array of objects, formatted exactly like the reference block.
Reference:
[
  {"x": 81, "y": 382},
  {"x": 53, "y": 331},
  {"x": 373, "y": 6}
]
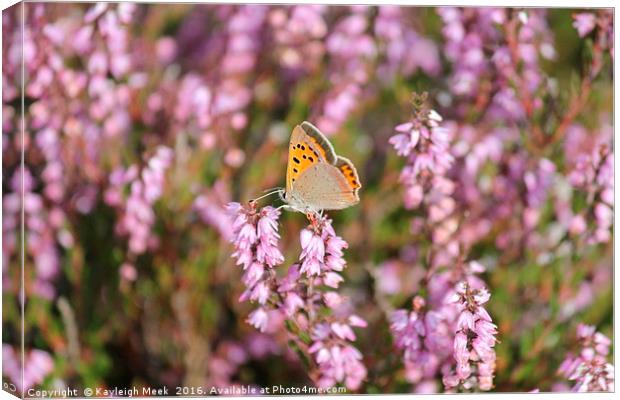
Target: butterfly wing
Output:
[
  {"x": 316, "y": 177},
  {"x": 320, "y": 142},
  {"x": 347, "y": 169},
  {"x": 306, "y": 148},
  {"x": 324, "y": 187}
]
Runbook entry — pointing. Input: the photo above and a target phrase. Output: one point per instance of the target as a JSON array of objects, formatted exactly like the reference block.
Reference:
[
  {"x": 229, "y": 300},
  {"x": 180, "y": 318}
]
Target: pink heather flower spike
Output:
[
  {"x": 593, "y": 173},
  {"x": 590, "y": 369},
  {"x": 425, "y": 144},
  {"x": 307, "y": 289},
  {"x": 255, "y": 238},
  {"x": 38, "y": 364},
  {"x": 425, "y": 335},
  {"x": 584, "y": 23},
  {"x": 474, "y": 340},
  {"x": 421, "y": 334},
  {"x": 350, "y": 50}
]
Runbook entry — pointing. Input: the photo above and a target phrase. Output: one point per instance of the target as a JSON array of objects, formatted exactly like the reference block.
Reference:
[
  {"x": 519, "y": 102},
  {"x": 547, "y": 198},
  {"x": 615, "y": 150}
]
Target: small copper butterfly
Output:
[{"x": 316, "y": 178}]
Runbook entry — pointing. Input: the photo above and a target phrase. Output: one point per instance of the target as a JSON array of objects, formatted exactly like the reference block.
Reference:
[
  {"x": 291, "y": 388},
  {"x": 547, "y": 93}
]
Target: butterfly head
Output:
[
  {"x": 283, "y": 194},
  {"x": 293, "y": 202}
]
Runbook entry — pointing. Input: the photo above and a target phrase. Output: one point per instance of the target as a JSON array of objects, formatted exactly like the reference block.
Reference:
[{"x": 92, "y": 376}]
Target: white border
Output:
[{"x": 506, "y": 3}]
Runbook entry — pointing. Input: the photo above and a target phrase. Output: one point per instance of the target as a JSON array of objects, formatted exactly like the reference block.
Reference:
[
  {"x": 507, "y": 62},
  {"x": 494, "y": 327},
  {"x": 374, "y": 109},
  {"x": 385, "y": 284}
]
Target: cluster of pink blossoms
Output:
[
  {"x": 402, "y": 45},
  {"x": 425, "y": 144},
  {"x": 474, "y": 340},
  {"x": 298, "y": 33},
  {"x": 465, "y": 33},
  {"x": 586, "y": 23},
  {"x": 321, "y": 260},
  {"x": 351, "y": 48},
  {"x": 502, "y": 71},
  {"x": 431, "y": 335},
  {"x": 590, "y": 369},
  {"x": 73, "y": 111},
  {"x": 37, "y": 365},
  {"x": 255, "y": 238},
  {"x": 300, "y": 296},
  {"x": 594, "y": 174},
  {"x": 41, "y": 245},
  {"x": 136, "y": 211},
  {"x": 424, "y": 337},
  {"x": 210, "y": 206}
]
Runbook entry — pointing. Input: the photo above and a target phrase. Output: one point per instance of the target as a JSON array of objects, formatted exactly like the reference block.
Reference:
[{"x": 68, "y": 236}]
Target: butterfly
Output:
[{"x": 316, "y": 178}]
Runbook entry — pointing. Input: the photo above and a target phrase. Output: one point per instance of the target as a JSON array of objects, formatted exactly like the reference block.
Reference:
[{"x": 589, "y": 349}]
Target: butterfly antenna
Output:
[{"x": 278, "y": 190}]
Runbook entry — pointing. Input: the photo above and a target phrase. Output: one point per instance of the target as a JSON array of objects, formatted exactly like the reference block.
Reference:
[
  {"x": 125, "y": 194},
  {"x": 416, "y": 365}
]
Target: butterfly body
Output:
[{"x": 316, "y": 178}]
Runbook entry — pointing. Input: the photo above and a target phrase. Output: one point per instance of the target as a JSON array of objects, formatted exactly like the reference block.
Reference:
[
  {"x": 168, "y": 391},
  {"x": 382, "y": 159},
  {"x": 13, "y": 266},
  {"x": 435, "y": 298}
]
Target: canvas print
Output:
[{"x": 266, "y": 199}]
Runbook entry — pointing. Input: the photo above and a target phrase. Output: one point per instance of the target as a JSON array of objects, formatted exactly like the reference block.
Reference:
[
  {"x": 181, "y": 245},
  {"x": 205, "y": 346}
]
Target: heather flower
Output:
[
  {"x": 406, "y": 140},
  {"x": 259, "y": 319},
  {"x": 42, "y": 244},
  {"x": 210, "y": 207},
  {"x": 255, "y": 238},
  {"x": 594, "y": 175},
  {"x": 337, "y": 360},
  {"x": 38, "y": 364},
  {"x": 320, "y": 260},
  {"x": 590, "y": 369},
  {"x": 421, "y": 335},
  {"x": 425, "y": 144},
  {"x": 401, "y": 44},
  {"x": 584, "y": 23},
  {"x": 267, "y": 234},
  {"x": 298, "y": 33},
  {"x": 255, "y": 235},
  {"x": 313, "y": 252},
  {"x": 137, "y": 215},
  {"x": 350, "y": 50},
  {"x": 71, "y": 110},
  {"x": 322, "y": 253},
  {"x": 464, "y": 39},
  {"x": 474, "y": 340},
  {"x": 486, "y": 64}
]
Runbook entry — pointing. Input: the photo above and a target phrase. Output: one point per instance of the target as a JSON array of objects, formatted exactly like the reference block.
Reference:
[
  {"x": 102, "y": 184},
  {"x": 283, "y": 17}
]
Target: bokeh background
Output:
[{"x": 143, "y": 121}]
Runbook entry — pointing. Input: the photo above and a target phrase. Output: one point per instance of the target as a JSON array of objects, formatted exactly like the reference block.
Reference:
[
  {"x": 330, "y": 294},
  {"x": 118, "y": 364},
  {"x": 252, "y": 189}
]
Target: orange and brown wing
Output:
[
  {"x": 319, "y": 142},
  {"x": 323, "y": 179},
  {"x": 302, "y": 154},
  {"x": 350, "y": 173}
]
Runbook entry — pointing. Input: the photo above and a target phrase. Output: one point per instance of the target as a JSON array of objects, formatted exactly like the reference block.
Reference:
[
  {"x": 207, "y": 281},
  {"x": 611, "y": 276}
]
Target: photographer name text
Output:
[{"x": 233, "y": 390}]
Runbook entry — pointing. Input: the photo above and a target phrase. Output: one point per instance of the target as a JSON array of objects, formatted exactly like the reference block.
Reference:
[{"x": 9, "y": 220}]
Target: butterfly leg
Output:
[{"x": 288, "y": 208}]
